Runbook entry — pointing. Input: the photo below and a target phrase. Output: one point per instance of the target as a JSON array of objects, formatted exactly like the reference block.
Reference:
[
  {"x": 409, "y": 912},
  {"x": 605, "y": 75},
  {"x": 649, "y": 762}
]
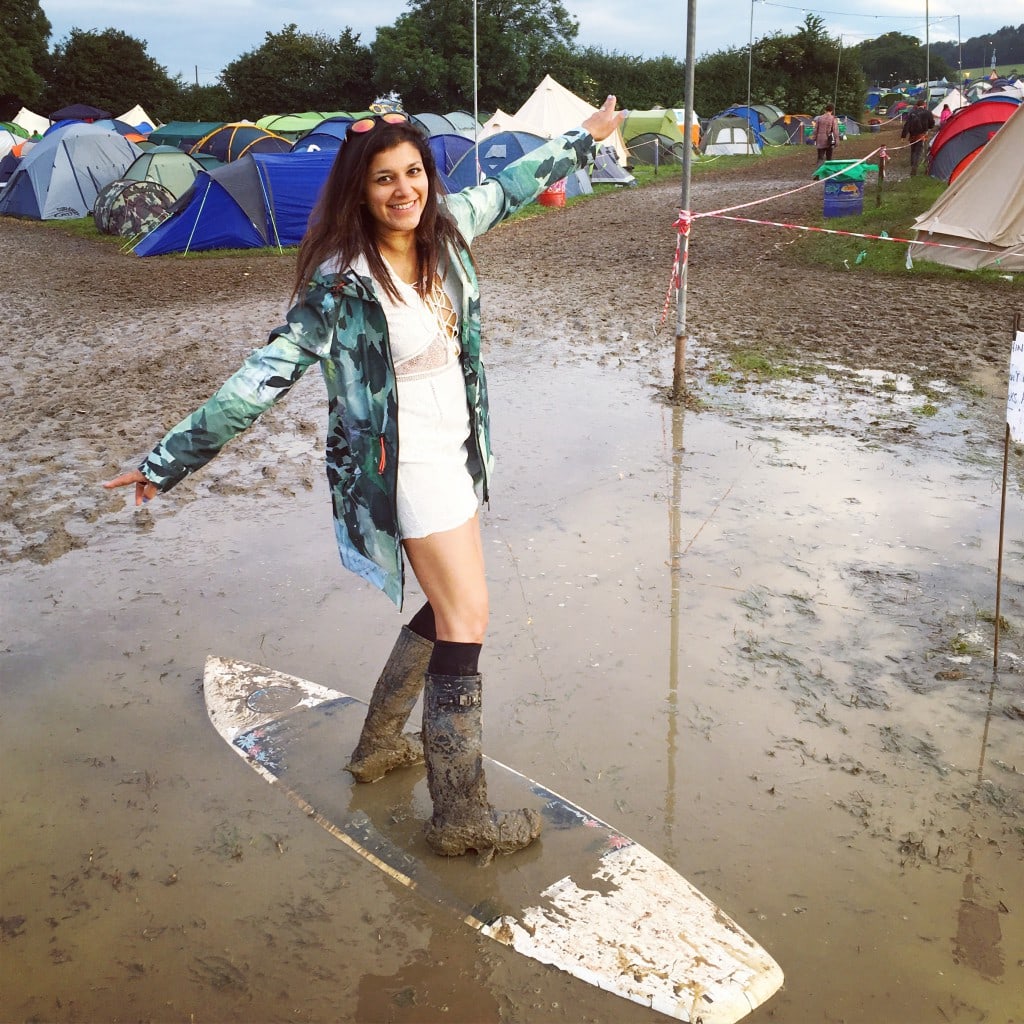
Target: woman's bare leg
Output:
[{"x": 450, "y": 568}]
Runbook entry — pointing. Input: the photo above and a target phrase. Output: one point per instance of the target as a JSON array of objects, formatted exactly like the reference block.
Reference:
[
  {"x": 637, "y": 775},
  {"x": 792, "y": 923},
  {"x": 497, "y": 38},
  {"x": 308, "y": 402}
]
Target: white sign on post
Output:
[{"x": 1015, "y": 392}]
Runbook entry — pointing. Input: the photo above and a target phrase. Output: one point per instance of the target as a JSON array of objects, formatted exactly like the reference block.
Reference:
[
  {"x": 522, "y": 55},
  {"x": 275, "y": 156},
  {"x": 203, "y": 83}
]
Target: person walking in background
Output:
[
  {"x": 388, "y": 305},
  {"x": 945, "y": 114},
  {"x": 920, "y": 121},
  {"x": 826, "y": 133}
]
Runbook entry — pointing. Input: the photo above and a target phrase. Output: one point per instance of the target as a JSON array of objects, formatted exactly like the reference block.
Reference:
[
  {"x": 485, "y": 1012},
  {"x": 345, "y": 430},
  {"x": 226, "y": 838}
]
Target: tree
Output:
[
  {"x": 427, "y": 55},
  {"x": 110, "y": 70},
  {"x": 799, "y": 73},
  {"x": 23, "y": 56},
  {"x": 896, "y": 57},
  {"x": 296, "y": 71}
]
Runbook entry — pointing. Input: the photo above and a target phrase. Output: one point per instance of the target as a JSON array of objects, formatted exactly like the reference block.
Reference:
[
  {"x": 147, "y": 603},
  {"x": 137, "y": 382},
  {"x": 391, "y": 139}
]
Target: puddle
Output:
[{"x": 757, "y": 639}]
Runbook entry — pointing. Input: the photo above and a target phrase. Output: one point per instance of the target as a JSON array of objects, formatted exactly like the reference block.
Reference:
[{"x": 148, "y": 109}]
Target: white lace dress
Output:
[{"x": 435, "y": 488}]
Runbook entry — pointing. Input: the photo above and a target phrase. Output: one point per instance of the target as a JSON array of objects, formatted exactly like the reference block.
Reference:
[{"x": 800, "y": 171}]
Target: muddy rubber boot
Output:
[
  {"x": 381, "y": 745},
  {"x": 463, "y": 820}
]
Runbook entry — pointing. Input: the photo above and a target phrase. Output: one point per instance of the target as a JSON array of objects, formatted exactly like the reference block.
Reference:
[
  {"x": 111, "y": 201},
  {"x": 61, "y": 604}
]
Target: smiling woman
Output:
[{"x": 388, "y": 305}]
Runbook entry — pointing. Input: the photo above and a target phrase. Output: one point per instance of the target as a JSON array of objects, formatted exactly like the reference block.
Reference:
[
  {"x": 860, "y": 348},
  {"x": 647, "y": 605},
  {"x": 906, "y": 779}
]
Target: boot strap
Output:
[{"x": 454, "y": 693}]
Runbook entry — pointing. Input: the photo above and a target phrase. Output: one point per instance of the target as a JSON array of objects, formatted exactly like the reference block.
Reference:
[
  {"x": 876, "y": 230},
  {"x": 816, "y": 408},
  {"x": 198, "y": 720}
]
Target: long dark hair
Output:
[{"x": 341, "y": 224}]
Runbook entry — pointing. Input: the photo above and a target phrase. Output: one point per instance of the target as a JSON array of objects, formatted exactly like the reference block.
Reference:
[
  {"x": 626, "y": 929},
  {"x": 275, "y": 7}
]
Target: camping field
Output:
[{"x": 753, "y": 629}]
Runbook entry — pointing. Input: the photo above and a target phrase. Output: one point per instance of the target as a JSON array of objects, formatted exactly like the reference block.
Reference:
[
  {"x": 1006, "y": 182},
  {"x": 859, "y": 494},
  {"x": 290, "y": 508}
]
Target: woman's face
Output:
[{"x": 396, "y": 189}]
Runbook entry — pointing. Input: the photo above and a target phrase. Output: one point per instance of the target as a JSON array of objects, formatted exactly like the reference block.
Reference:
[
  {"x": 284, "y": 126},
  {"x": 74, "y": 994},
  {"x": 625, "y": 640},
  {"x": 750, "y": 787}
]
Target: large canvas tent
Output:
[
  {"x": 264, "y": 199},
  {"x": 982, "y": 210},
  {"x": 63, "y": 173},
  {"x": 183, "y": 134},
  {"x": 552, "y": 109}
]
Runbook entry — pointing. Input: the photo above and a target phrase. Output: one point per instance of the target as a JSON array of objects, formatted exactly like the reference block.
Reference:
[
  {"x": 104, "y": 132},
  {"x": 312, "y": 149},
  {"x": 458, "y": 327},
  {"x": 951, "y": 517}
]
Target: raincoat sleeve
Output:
[
  {"x": 480, "y": 207},
  {"x": 264, "y": 378}
]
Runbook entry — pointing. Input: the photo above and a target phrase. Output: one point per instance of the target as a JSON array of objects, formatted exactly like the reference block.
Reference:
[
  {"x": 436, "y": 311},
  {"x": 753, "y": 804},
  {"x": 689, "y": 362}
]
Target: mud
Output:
[{"x": 756, "y": 632}]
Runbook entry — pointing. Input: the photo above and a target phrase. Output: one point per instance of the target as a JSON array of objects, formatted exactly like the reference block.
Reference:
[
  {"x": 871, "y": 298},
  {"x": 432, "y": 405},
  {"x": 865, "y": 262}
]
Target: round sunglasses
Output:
[{"x": 366, "y": 124}]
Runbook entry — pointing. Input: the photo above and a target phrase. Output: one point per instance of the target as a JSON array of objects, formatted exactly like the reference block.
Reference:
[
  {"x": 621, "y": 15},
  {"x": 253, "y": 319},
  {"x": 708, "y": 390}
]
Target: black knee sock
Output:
[
  {"x": 454, "y": 659},
  {"x": 422, "y": 623}
]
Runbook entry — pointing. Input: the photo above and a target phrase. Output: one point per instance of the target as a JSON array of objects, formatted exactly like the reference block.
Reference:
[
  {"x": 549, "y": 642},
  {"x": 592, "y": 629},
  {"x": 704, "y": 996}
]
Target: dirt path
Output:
[{"x": 757, "y": 636}]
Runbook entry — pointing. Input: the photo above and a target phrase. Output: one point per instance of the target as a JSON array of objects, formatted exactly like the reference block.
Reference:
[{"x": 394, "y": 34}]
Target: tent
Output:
[
  {"x": 63, "y": 173},
  {"x": 552, "y": 109},
  {"x": 464, "y": 122},
  {"x": 183, "y": 134},
  {"x": 167, "y": 166},
  {"x": 34, "y": 124},
  {"x": 448, "y": 150},
  {"x": 294, "y": 126},
  {"x": 963, "y": 135},
  {"x": 494, "y": 153},
  {"x": 138, "y": 119},
  {"x": 983, "y": 209},
  {"x": 80, "y": 112},
  {"x": 654, "y": 149},
  {"x": 234, "y": 140},
  {"x": 326, "y": 136},
  {"x": 434, "y": 124},
  {"x": 953, "y": 99},
  {"x": 130, "y": 207},
  {"x": 264, "y": 199},
  {"x": 729, "y": 135},
  {"x": 657, "y": 121},
  {"x": 752, "y": 116},
  {"x": 607, "y": 170}
]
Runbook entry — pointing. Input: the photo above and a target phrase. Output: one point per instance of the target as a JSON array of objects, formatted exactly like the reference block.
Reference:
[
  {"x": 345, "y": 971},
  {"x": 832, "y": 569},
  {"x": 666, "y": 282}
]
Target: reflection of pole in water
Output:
[
  {"x": 675, "y": 557},
  {"x": 978, "y": 934}
]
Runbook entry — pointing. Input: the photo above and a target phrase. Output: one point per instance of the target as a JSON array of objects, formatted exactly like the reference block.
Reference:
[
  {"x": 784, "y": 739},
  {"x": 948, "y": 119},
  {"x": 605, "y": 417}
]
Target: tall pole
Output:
[
  {"x": 839, "y": 60},
  {"x": 960, "y": 55},
  {"x": 927, "y": 60},
  {"x": 750, "y": 65},
  {"x": 683, "y": 241}
]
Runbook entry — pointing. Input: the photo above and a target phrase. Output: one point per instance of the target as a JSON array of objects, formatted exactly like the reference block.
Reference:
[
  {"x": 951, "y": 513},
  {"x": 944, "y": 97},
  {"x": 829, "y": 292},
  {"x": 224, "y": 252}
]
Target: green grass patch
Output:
[{"x": 890, "y": 209}]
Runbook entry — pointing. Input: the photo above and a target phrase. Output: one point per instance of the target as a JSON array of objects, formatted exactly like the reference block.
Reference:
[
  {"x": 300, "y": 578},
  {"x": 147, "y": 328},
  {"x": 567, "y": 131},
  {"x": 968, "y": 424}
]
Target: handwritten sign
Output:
[{"x": 1015, "y": 393}]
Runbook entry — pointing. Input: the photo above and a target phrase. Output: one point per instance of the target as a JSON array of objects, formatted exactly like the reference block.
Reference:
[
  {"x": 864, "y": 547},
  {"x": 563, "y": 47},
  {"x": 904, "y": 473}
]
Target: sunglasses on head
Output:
[{"x": 366, "y": 124}]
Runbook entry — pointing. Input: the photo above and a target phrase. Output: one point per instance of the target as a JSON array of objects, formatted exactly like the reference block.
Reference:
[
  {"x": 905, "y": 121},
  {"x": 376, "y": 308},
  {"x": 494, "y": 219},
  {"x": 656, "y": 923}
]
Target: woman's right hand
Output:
[{"x": 144, "y": 489}]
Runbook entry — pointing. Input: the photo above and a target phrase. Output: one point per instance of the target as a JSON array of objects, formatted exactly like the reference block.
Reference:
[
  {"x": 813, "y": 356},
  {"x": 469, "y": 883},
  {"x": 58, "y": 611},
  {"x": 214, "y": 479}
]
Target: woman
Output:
[
  {"x": 826, "y": 133},
  {"x": 388, "y": 305}
]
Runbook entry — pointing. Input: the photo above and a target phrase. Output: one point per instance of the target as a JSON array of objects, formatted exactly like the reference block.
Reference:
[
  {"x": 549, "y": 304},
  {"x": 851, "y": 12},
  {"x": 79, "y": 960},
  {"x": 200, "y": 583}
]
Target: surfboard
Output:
[{"x": 584, "y": 898}]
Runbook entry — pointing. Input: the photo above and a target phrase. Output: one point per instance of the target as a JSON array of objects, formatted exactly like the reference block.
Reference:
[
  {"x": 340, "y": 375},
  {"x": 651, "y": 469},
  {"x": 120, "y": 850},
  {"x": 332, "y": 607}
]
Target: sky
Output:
[{"x": 197, "y": 38}]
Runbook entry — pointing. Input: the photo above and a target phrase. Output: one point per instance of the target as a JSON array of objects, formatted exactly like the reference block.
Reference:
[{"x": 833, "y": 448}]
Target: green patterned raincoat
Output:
[{"x": 340, "y": 325}]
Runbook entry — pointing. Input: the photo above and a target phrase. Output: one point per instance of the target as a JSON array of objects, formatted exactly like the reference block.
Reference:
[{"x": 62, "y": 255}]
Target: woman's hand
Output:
[
  {"x": 604, "y": 120},
  {"x": 144, "y": 489}
]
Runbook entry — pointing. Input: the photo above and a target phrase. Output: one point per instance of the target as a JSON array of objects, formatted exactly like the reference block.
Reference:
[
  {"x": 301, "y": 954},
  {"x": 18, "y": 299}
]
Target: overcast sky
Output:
[{"x": 186, "y": 35}]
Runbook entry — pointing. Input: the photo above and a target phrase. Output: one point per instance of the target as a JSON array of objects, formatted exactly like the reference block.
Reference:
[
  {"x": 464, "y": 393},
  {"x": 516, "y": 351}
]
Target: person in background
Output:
[
  {"x": 388, "y": 305},
  {"x": 920, "y": 121},
  {"x": 826, "y": 133},
  {"x": 945, "y": 114}
]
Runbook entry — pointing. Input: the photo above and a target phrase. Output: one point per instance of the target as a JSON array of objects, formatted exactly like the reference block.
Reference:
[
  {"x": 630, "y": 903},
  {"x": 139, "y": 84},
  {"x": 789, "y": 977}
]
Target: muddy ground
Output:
[{"x": 755, "y": 632}]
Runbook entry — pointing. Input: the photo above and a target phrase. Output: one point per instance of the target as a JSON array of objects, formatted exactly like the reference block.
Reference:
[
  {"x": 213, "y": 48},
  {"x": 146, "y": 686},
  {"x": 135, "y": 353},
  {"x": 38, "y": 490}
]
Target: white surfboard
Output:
[{"x": 584, "y": 897}]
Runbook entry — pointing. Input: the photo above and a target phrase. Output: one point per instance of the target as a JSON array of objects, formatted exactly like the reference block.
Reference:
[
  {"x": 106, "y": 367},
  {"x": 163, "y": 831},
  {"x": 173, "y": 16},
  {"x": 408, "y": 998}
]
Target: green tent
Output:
[
  {"x": 659, "y": 121},
  {"x": 293, "y": 126},
  {"x": 183, "y": 134}
]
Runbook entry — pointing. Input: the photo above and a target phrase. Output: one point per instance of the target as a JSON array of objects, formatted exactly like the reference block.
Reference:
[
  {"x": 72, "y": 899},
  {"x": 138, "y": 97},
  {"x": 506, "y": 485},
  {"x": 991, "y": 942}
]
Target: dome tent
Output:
[
  {"x": 61, "y": 176},
  {"x": 130, "y": 207}
]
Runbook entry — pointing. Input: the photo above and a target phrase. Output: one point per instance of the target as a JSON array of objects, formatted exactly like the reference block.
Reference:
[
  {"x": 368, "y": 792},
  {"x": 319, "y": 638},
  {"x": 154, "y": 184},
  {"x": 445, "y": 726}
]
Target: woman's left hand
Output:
[{"x": 604, "y": 120}]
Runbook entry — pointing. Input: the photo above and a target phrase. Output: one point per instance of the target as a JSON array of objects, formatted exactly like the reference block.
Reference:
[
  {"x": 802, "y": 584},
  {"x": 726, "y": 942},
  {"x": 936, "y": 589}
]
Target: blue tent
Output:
[
  {"x": 496, "y": 152},
  {"x": 326, "y": 136},
  {"x": 60, "y": 177},
  {"x": 448, "y": 150},
  {"x": 264, "y": 199},
  {"x": 752, "y": 116}
]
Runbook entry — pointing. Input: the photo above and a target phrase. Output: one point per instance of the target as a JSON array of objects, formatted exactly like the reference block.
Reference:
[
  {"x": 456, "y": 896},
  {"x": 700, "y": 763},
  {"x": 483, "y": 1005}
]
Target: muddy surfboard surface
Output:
[{"x": 584, "y": 897}]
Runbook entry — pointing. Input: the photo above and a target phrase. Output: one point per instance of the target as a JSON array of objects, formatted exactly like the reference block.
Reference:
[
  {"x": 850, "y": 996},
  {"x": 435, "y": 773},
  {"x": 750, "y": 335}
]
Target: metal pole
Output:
[
  {"x": 839, "y": 61},
  {"x": 750, "y": 64},
  {"x": 679, "y": 369},
  {"x": 927, "y": 60}
]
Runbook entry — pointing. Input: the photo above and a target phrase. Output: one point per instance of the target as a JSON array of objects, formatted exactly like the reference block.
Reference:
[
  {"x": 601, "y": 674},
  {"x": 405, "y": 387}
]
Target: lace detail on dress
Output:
[{"x": 440, "y": 325}]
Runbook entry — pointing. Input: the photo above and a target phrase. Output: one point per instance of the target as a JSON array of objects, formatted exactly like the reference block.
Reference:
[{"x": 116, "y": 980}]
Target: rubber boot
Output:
[
  {"x": 463, "y": 820},
  {"x": 381, "y": 745}
]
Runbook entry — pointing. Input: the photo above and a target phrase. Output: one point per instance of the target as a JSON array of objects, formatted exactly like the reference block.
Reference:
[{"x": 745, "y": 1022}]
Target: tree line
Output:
[{"x": 425, "y": 57}]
